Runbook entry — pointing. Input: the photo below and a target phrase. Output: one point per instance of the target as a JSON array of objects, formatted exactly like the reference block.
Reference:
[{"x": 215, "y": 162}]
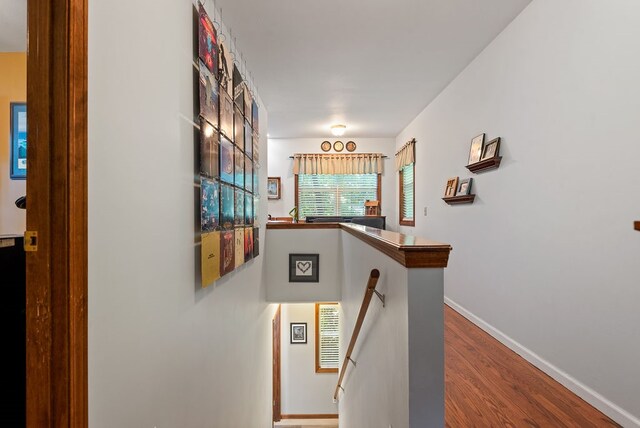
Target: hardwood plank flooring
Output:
[{"x": 488, "y": 385}]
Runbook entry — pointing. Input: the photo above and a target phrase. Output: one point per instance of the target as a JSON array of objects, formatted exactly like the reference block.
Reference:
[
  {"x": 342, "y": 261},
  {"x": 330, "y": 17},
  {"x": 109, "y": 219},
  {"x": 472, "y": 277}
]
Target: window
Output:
[
  {"x": 327, "y": 338},
  {"x": 335, "y": 194},
  {"x": 407, "y": 201}
]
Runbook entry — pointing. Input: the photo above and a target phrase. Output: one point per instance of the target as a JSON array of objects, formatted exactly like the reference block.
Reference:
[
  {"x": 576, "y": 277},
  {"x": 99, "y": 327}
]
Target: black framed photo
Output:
[
  {"x": 298, "y": 332},
  {"x": 476, "y": 149},
  {"x": 304, "y": 267},
  {"x": 491, "y": 149},
  {"x": 464, "y": 187}
]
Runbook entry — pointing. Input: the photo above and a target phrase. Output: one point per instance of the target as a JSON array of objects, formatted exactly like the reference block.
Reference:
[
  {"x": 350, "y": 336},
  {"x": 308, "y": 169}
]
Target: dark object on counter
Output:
[{"x": 377, "y": 222}]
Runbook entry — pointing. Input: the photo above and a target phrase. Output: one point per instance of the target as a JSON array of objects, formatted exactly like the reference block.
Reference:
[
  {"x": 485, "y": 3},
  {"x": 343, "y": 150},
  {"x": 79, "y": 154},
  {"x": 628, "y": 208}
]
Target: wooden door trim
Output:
[
  {"x": 57, "y": 384},
  {"x": 277, "y": 391}
]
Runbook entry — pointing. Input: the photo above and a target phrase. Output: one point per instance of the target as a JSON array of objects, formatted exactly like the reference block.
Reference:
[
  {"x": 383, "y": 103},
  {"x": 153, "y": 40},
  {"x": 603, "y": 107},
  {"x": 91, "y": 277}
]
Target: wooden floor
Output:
[{"x": 488, "y": 385}]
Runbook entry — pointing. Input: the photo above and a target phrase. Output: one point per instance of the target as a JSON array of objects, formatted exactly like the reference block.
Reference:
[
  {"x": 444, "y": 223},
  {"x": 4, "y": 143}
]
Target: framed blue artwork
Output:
[{"x": 18, "y": 141}]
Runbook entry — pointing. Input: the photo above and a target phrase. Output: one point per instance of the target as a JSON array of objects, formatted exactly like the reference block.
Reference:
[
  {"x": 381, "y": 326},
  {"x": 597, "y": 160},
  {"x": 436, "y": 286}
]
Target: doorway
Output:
[
  {"x": 304, "y": 393},
  {"x": 56, "y": 266}
]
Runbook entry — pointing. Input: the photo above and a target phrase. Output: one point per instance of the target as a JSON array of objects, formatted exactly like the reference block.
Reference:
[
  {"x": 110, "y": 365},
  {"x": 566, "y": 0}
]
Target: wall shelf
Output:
[
  {"x": 463, "y": 199},
  {"x": 485, "y": 165}
]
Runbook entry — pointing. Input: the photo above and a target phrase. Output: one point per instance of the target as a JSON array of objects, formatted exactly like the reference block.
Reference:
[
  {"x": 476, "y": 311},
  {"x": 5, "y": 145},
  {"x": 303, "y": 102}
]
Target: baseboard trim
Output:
[
  {"x": 308, "y": 416},
  {"x": 607, "y": 407}
]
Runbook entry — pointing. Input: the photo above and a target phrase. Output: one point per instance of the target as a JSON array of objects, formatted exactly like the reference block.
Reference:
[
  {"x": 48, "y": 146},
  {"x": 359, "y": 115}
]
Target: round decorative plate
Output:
[
  {"x": 351, "y": 146},
  {"x": 325, "y": 146},
  {"x": 338, "y": 146}
]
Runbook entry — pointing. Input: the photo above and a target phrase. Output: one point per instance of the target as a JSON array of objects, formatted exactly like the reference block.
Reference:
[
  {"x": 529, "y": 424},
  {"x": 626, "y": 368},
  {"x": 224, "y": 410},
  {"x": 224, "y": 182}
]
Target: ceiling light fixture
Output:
[{"x": 338, "y": 130}]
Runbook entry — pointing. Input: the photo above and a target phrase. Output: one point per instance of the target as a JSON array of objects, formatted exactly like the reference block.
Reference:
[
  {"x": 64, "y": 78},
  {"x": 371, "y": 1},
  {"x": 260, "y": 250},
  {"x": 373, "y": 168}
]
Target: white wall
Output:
[
  {"x": 281, "y": 166},
  {"x": 304, "y": 392},
  {"x": 546, "y": 256},
  {"x": 325, "y": 243},
  {"x": 399, "y": 377},
  {"x": 162, "y": 351}
]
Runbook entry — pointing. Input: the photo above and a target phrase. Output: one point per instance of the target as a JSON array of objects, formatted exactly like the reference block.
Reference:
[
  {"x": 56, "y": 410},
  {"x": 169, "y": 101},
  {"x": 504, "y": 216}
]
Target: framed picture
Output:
[
  {"x": 298, "y": 332},
  {"x": 464, "y": 188},
  {"x": 491, "y": 149},
  {"x": 476, "y": 149},
  {"x": 351, "y": 146},
  {"x": 18, "y": 141},
  {"x": 207, "y": 41},
  {"x": 273, "y": 188},
  {"x": 338, "y": 146},
  {"x": 304, "y": 267},
  {"x": 325, "y": 146},
  {"x": 452, "y": 186}
]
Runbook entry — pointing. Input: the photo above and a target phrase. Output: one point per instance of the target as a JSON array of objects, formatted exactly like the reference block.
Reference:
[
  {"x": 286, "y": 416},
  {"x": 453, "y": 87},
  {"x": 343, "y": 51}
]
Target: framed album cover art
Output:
[
  {"x": 227, "y": 206},
  {"x": 238, "y": 128},
  {"x": 238, "y": 88},
  {"x": 255, "y": 119},
  {"x": 248, "y": 139},
  {"x": 248, "y": 208},
  {"x": 209, "y": 204},
  {"x": 227, "y": 159},
  {"x": 209, "y": 150},
  {"x": 208, "y": 88},
  {"x": 207, "y": 41},
  {"x": 239, "y": 246},
  {"x": 248, "y": 174},
  {"x": 225, "y": 67},
  {"x": 256, "y": 242},
  {"x": 239, "y": 169},
  {"x": 227, "y": 254},
  {"x": 248, "y": 243},
  {"x": 226, "y": 115},
  {"x": 239, "y": 208}
]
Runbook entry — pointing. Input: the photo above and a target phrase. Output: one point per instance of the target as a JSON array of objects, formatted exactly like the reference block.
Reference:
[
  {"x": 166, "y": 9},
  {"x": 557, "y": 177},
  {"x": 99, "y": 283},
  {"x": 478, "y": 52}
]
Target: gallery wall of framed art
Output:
[{"x": 228, "y": 117}]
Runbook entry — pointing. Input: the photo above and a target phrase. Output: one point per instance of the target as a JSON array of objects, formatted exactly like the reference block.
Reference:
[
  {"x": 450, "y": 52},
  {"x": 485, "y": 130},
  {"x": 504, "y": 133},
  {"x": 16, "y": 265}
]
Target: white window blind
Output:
[
  {"x": 335, "y": 195},
  {"x": 328, "y": 339},
  {"x": 407, "y": 192}
]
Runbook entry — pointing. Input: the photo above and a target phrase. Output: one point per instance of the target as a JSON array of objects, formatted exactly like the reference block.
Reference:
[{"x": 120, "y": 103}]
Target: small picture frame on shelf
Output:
[
  {"x": 475, "y": 152},
  {"x": 273, "y": 188},
  {"x": 298, "y": 332},
  {"x": 491, "y": 149},
  {"x": 464, "y": 187},
  {"x": 452, "y": 187}
]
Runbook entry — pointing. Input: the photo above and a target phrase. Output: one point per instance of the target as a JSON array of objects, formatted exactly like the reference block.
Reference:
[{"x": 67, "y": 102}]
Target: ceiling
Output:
[
  {"x": 13, "y": 25},
  {"x": 371, "y": 64}
]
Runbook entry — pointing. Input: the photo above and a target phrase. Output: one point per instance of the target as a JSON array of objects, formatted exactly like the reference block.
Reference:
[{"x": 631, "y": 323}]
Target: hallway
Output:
[{"x": 488, "y": 385}]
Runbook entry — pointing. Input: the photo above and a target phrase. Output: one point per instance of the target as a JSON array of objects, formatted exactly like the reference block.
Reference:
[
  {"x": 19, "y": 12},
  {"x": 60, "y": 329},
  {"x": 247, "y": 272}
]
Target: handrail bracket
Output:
[
  {"x": 353, "y": 362},
  {"x": 382, "y": 297}
]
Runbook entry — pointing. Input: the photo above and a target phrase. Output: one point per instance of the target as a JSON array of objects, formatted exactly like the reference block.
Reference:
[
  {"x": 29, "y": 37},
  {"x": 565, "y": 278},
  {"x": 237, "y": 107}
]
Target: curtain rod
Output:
[{"x": 342, "y": 154}]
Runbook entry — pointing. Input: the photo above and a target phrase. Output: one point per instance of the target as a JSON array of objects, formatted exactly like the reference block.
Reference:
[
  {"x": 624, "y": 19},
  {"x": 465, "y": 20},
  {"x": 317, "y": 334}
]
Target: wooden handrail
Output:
[{"x": 371, "y": 287}]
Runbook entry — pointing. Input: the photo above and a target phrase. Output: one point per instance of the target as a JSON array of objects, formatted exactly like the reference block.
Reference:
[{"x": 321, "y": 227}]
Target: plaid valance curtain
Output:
[
  {"x": 356, "y": 163},
  {"x": 406, "y": 155}
]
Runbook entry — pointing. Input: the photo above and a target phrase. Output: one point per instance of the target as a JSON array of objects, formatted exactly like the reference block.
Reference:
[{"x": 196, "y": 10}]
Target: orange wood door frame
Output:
[
  {"x": 277, "y": 393},
  {"x": 57, "y": 209}
]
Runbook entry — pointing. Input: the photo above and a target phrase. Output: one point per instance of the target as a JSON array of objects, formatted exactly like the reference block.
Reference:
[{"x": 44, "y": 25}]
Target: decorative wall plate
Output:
[
  {"x": 351, "y": 146},
  {"x": 338, "y": 146},
  {"x": 325, "y": 146}
]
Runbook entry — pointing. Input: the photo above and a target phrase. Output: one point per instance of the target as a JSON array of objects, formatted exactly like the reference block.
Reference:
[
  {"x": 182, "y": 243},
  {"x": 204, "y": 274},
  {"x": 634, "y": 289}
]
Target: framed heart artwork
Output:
[{"x": 304, "y": 268}]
